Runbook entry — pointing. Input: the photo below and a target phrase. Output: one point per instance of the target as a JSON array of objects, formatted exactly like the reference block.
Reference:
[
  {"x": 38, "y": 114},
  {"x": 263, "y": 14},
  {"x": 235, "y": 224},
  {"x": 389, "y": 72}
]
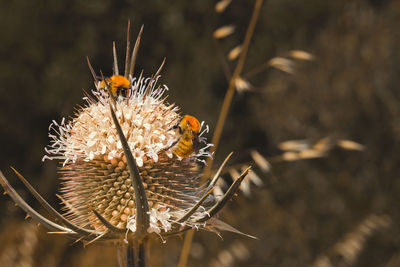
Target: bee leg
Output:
[{"x": 174, "y": 143}]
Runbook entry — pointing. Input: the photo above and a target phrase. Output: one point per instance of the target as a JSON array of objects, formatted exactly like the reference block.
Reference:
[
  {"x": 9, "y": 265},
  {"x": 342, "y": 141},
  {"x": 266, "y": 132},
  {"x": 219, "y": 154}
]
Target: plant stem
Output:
[
  {"x": 135, "y": 254},
  {"x": 222, "y": 117},
  {"x": 186, "y": 248},
  {"x": 231, "y": 88}
]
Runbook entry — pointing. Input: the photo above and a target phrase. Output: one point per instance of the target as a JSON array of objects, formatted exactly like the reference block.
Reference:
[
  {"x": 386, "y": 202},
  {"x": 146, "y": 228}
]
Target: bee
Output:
[
  {"x": 119, "y": 85},
  {"x": 189, "y": 128}
]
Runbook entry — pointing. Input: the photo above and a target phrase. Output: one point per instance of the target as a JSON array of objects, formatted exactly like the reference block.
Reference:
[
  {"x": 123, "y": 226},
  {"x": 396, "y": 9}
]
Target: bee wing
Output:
[{"x": 195, "y": 142}]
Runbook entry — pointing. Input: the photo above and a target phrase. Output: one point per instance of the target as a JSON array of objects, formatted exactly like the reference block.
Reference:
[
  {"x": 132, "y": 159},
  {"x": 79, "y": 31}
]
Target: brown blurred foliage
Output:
[{"x": 349, "y": 91}]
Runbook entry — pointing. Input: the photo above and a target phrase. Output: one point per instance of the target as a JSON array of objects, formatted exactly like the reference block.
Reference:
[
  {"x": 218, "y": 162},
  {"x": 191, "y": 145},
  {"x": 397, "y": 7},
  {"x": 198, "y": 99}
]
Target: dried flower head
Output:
[{"x": 95, "y": 171}]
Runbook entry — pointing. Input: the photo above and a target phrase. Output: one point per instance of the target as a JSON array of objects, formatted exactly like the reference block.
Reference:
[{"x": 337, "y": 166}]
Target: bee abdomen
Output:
[{"x": 184, "y": 148}]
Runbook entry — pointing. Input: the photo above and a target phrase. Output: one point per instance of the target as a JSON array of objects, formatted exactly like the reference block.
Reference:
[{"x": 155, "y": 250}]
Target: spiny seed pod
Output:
[{"x": 95, "y": 171}]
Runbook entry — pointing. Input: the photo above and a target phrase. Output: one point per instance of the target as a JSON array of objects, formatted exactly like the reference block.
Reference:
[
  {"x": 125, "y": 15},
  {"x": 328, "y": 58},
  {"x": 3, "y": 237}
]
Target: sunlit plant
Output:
[{"x": 129, "y": 167}]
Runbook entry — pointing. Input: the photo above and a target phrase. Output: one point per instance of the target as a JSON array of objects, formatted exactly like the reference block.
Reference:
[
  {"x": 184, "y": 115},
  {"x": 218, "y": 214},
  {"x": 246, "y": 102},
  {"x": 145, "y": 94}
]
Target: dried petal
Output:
[
  {"x": 300, "y": 54},
  {"x": 261, "y": 162},
  {"x": 235, "y": 52},
  {"x": 242, "y": 85},
  {"x": 224, "y": 31},
  {"x": 293, "y": 145},
  {"x": 350, "y": 145},
  {"x": 282, "y": 64},
  {"x": 222, "y": 5}
]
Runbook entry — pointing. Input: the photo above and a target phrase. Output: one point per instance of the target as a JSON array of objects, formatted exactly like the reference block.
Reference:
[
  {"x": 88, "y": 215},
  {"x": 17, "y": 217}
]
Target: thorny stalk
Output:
[
  {"x": 142, "y": 207},
  {"x": 222, "y": 118}
]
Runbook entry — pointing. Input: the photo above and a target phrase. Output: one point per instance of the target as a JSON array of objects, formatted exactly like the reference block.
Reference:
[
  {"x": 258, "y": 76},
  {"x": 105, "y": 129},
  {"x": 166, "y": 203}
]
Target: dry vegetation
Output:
[{"x": 337, "y": 209}]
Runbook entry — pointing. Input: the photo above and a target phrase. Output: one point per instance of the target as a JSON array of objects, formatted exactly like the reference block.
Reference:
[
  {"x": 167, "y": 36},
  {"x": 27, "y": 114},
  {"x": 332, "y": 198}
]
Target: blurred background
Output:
[{"x": 337, "y": 210}]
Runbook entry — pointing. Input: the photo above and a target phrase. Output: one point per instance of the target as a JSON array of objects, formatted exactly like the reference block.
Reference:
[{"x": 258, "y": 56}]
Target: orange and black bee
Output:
[
  {"x": 189, "y": 128},
  {"x": 119, "y": 85}
]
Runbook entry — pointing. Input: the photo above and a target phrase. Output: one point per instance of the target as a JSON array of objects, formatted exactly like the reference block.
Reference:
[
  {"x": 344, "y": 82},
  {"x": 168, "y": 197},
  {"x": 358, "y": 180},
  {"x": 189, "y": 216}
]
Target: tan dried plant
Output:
[{"x": 122, "y": 178}]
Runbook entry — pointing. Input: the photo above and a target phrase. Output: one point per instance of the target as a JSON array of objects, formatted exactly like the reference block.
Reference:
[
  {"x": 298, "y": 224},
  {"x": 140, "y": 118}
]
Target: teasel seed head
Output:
[
  {"x": 122, "y": 176},
  {"x": 95, "y": 173}
]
